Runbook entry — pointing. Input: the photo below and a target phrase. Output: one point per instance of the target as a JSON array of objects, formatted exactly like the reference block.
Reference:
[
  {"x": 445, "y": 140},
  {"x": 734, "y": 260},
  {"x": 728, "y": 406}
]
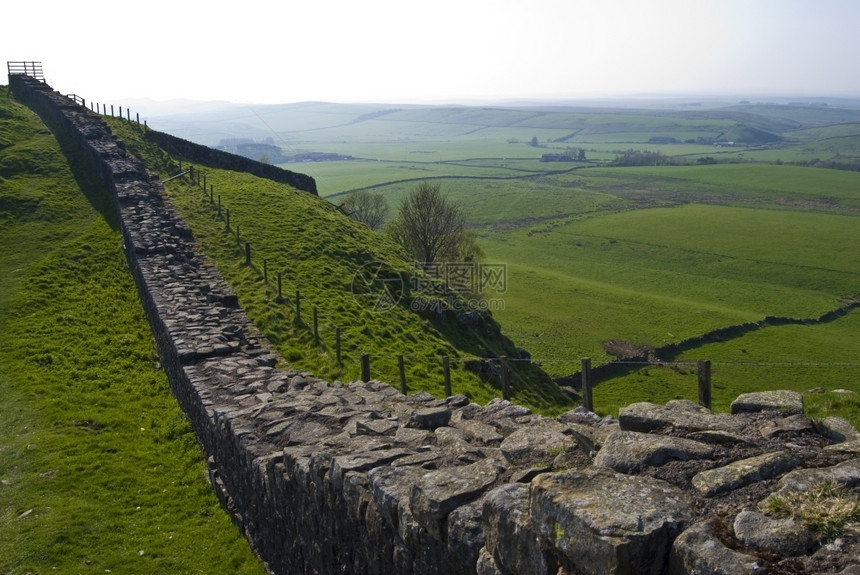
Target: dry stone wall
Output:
[
  {"x": 212, "y": 157},
  {"x": 326, "y": 477}
]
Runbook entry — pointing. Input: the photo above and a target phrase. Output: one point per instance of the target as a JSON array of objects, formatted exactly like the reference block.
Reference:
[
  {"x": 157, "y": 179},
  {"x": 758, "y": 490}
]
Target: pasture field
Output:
[
  {"x": 99, "y": 469},
  {"x": 656, "y": 276},
  {"x": 646, "y": 255}
]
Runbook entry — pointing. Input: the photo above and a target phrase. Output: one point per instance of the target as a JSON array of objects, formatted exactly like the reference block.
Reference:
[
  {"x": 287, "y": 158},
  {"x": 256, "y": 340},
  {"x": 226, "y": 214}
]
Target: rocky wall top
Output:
[{"x": 332, "y": 477}]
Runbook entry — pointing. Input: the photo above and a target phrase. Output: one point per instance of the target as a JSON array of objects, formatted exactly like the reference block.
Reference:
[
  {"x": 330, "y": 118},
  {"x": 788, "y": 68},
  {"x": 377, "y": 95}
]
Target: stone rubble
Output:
[{"x": 331, "y": 477}]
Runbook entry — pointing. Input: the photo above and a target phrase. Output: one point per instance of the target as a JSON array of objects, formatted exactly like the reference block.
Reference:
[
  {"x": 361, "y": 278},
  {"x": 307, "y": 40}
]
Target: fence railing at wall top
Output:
[{"x": 31, "y": 69}]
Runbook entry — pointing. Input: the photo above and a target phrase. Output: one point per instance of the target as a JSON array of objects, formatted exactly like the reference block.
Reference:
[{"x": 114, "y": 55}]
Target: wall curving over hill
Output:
[
  {"x": 357, "y": 478},
  {"x": 212, "y": 157}
]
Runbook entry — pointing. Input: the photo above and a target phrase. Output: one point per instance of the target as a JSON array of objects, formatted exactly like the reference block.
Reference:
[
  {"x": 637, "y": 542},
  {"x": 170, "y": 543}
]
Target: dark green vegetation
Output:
[
  {"x": 346, "y": 272},
  {"x": 738, "y": 225},
  {"x": 99, "y": 469}
]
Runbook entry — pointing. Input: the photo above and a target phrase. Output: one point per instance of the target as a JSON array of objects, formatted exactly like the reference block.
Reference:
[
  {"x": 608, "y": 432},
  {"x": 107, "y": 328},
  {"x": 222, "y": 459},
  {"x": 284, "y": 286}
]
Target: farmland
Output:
[{"x": 737, "y": 231}]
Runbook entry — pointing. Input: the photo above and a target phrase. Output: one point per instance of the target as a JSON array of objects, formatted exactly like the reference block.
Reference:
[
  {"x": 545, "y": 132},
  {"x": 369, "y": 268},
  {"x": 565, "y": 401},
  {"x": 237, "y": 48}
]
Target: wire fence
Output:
[{"x": 497, "y": 370}]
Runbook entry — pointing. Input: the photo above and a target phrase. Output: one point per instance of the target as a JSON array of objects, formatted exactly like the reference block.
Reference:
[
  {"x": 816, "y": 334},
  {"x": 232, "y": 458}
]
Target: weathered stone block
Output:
[
  {"x": 837, "y": 429},
  {"x": 430, "y": 418},
  {"x": 603, "y": 522},
  {"x": 391, "y": 487},
  {"x": 466, "y": 533},
  {"x": 845, "y": 474},
  {"x": 542, "y": 440},
  {"x": 743, "y": 472},
  {"x": 438, "y": 493},
  {"x": 698, "y": 551},
  {"x": 590, "y": 438},
  {"x": 680, "y": 414},
  {"x": 511, "y": 538},
  {"x": 629, "y": 451},
  {"x": 361, "y": 461},
  {"x": 777, "y": 535},
  {"x": 784, "y": 401}
]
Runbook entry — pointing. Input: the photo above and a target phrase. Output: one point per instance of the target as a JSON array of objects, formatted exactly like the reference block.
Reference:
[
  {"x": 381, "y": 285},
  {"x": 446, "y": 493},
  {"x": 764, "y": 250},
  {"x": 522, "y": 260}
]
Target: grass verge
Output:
[{"x": 99, "y": 469}]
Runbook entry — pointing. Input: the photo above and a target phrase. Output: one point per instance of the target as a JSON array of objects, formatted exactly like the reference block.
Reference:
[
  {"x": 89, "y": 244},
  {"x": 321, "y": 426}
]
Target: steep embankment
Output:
[
  {"x": 353, "y": 279},
  {"x": 99, "y": 469}
]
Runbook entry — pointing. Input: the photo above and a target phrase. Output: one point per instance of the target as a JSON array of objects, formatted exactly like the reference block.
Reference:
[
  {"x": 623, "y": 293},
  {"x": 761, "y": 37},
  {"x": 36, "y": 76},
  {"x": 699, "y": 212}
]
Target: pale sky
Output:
[{"x": 439, "y": 51}]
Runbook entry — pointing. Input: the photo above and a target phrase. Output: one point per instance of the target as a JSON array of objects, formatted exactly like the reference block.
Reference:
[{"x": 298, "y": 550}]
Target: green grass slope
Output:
[
  {"x": 327, "y": 257},
  {"x": 99, "y": 469},
  {"x": 649, "y": 255}
]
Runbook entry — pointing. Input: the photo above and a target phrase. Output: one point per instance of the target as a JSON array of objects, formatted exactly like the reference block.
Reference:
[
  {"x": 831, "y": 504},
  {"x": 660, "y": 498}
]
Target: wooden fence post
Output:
[
  {"x": 204, "y": 183},
  {"x": 128, "y": 114},
  {"x": 316, "y": 330},
  {"x": 704, "y": 374},
  {"x": 219, "y": 205},
  {"x": 506, "y": 376},
  {"x": 111, "y": 110},
  {"x": 211, "y": 194},
  {"x": 298, "y": 306},
  {"x": 337, "y": 345},
  {"x": 227, "y": 211},
  {"x": 280, "y": 294},
  {"x": 587, "y": 400},
  {"x": 237, "y": 233},
  {"x": 402, "y": 369},
  {"x": 248, "y": 253},
  {"x": 365, "y": 367},
  {"x": 446, "y": 373}
]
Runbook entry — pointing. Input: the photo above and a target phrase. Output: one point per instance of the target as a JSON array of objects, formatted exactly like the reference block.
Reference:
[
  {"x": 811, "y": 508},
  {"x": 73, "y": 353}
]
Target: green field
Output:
[
  {"x": 99, "y": 468},
  {"x": 645, "y": 255}
]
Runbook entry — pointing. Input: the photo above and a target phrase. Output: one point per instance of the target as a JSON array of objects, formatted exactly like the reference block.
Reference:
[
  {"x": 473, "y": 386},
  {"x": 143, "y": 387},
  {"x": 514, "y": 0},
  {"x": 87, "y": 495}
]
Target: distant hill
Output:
[
  {"x": 748, "y": 135},
  {"x": 266, "y": 153}
]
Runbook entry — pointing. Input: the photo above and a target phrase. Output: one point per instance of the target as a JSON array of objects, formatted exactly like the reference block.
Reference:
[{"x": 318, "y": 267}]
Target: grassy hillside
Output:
[
  {"x": 99, "y": 470},
  {"x": 646, "y": 255},
  {"x": 325, "y": 256}
]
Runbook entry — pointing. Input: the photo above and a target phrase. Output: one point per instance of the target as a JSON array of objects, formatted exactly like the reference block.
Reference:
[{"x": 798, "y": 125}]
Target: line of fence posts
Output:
[
  {"x": 199, "y": 179},
  {"x": 703, "y": 366},
  {"x": 703, "y": 371}
]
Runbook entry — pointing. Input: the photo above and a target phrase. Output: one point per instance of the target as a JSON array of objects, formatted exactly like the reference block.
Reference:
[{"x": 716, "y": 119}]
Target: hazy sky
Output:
[{"x": 438, "y": 51}]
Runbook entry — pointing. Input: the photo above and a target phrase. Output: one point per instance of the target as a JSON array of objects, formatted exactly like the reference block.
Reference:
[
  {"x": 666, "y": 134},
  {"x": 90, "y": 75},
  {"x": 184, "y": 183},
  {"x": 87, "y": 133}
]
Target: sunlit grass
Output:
[
  {"x": 827, "y": 509},
  {"x": 319, "y": 252},
  {"x": 99, "y": 470}
]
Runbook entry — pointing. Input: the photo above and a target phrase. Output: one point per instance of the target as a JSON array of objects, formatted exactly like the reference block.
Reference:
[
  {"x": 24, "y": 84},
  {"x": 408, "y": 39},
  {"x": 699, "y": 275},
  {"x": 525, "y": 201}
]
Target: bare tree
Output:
[
  {"x": 368, "y": 208},
  {"x": 431, "y": 227}
]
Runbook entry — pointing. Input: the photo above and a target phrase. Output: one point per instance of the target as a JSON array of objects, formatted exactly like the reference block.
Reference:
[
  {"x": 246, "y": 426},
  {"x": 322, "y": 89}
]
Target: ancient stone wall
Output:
[
  {"x": 219, "y": 158},
  {"x": 325, "y": 477}
]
